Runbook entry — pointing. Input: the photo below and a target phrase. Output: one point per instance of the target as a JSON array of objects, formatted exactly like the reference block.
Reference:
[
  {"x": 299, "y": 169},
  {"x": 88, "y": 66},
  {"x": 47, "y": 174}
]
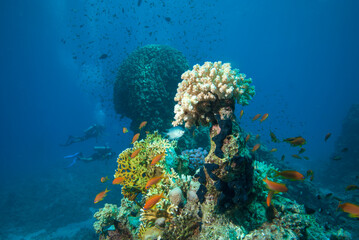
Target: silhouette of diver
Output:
[
  {"x": 93, "y": 131},
  {"x": 101, "y": 153}
]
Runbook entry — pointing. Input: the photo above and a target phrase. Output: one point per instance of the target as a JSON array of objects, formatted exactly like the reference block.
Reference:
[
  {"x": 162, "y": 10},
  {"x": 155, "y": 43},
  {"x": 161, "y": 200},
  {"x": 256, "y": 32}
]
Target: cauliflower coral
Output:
[{"x": 206, "y": 86}]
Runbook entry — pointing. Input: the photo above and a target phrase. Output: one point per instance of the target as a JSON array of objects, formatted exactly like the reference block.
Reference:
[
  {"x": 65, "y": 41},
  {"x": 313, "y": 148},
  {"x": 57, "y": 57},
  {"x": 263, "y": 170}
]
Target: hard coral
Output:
[
  {"x": 106, "y": 216},
  {"x": 138, "y": 170},
  {"x": 146, "y": 83},
  {"x": 204, "y": 87}
]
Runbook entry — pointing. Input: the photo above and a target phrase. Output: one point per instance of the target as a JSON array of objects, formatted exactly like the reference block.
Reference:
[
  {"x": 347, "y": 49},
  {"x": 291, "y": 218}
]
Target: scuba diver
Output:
[
  {"x": 101, "y": 153},
  {"x": 93, "y": 131}
]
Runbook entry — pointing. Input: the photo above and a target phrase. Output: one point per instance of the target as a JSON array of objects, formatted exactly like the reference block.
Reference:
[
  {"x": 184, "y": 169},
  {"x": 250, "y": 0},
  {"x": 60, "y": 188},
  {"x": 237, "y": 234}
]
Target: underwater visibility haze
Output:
[{"x": 192, "y": 119}]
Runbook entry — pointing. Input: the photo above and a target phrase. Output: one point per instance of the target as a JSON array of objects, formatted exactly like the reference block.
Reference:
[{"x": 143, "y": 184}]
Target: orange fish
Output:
[
  {"x": 327, "y": 136},
  {"x": 296, "y": 156},
  {"x": 152, "y": 201},
  {"x": 134, "y": 154},
  {"x": 256, "y": 117},
  {"x": 157, "y": 158},
  {"x": 124, "y": 130},
  {"x": 264, "y": 117},
  {"x": 273, "y": 150},
  {"x": 296, "y": 141},
  {"x": 135, "y": 138},
  {"x": 274, "y": 186},
  {"x": 99, "y": 197},
  {"x": 241, "y": 114},
  {"x": 104, "y": 179},
  {"x": 247, "y": 138},
  {"x": 290, "y": 174},
  {"x": 118, "y": 180},
  {"x": 350, "y": 208},
  {"x": 153, "y": 181},
  {"x": 143, "y": 124},
  {"x": 257, "y": 136},
  {"x": 255, "y": 148},
  {"x": 269, "y": 197}
]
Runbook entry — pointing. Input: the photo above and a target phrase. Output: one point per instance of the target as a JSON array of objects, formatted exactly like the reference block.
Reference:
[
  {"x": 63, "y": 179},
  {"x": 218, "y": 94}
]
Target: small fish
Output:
[
  {"x": 256, "y": 117},
  {"x": 295, "y": 141},
  {"x": 310, "y": 174},
  {"x": 327, "y": 136},
  {"x": 104, "y": 179},
  {"x": 350, "y": 208},
  {"x": 255, "y": 148},
  {"x": 241, "y": 114},
  {"x": 273, "y": 137},
  {"x": 269, "y": 197},
  {"x": 175, "y": 132},
  {"x": 153, "y": 181},
  {"x": 344, "y": 150},
  {"x": 274, "y": 186},
  {"x": 135, "y": 153},
  {"x": 168, "y": 19},
  {"x": 264, "y": 117},
  {"x": 157, "y": 158},
  {"x": 306, "y": 158},
  {"x": 296, "y": 156},
  {"x": 152, "y": 201},
  {"x": 257, "y": 136},
  {"x": 351, "y": 187},
  {"x": 124, "y": 130},
  {"x": 336, "y": 158},
  {"x": 302, "y": 150},
  {"x": 118, "y": 180},
  {"x": 274, "y": 150},
  {"x": 282, "y": 158},
  {"x": 142, "y": 125},
  {"x": 290, "y": 174},
  {"x": 135, "y": 138},
  {"x": 247, "y": 138},
  {"x": 99, "y": 197},
  {"x": 103, "y": 56}
]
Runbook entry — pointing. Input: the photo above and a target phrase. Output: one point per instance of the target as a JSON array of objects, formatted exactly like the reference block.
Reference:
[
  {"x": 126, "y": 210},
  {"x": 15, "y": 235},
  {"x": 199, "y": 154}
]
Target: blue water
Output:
[{"x": 302, "y": 55}]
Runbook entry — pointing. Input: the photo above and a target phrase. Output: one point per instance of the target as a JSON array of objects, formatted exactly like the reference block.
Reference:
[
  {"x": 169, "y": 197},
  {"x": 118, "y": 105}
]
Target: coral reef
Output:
[
  {"x": 106, "y": 217},
  {"x": 138, "y": 170},
  {"x": 146, "y": 83},
  {"x": 191, "y": 160},
  {"x": 204, "y": 88}
]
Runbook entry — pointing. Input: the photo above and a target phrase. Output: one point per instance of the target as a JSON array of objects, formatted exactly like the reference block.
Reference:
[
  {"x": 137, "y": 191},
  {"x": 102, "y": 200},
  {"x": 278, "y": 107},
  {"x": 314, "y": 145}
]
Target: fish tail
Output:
[{"x": 338, "y": 205}]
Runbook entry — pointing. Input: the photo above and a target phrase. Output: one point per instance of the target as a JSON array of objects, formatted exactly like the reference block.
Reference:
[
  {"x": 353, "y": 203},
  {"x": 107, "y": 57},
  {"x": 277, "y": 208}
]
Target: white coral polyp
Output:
[{"x": 209, "y": 82}]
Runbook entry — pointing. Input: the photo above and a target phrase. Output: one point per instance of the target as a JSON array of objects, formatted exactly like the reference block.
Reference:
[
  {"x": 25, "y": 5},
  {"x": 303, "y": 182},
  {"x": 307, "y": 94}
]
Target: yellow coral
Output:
[{"x": 138, "y": 170}]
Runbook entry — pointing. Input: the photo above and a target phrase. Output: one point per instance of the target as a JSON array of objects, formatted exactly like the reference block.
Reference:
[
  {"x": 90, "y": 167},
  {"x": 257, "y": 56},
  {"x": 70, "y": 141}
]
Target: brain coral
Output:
[
  {"x": 146, "y": 83},
  {"x": 204, "y": 87}
]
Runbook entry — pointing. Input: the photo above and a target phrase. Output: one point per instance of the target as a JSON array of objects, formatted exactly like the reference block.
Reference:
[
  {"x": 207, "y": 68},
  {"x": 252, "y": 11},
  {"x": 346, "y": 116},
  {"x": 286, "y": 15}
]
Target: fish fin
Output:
[
  {"x": 107, "y": 190},
  {"x": 352, "y": 215},
  {"x": 339, "y": 205}
]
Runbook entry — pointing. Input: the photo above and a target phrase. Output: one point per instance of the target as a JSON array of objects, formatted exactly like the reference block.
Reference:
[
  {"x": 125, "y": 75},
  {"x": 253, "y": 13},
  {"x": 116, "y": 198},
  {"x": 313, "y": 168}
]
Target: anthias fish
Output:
[
  {"x": 153, "y": 181},
  {"x": 302, "y": 150},
  {"x": 135, "y": 153},
  {"x": 255, "y": 148},
  {"x": 157, "y": 158},
  {"x": 264, "y": 117},
  {"x": 118, "y": 180},
  {"x": 135, "y": 138},
  {"x": 241, "y": 114},
  {"x": 142, "y": 125},
  {"x": 351, "y": 187},
  {"x": 247, "y": 138},
  {"x": 327, "y": 136},
  {"x": 256, "y": 117},
  {"x": 274, "y": 150},
  {"x": 295, "y": 141},
  {"x": 296, "y": 156},
  {"x": 350, "y": 208},
  {"x": 99, "y": 197},
  {"x": 124, "y": 130},
  {"x": 269, "y": 197},
  {"x": 277, "y": 187},
  {"x": 104, "y": 179},
  {"x": 290, "y": 174},
  {"x": 152, "y": 201}
]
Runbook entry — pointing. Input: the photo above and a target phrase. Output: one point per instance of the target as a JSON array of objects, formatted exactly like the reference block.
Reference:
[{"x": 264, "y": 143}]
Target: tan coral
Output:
[{"x": 204, "y": 85}]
